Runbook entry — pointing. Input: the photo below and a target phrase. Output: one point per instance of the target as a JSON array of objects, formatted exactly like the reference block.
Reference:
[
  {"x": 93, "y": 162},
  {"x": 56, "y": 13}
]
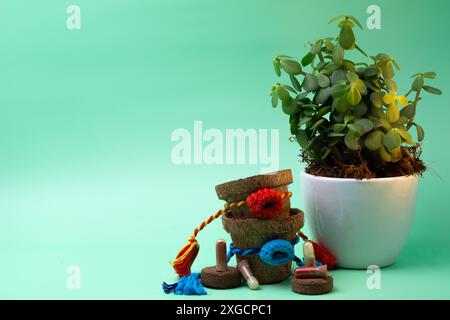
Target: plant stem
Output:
[
  {"x": 320, "y": 56},
  {"x": 410, "y": 122}
]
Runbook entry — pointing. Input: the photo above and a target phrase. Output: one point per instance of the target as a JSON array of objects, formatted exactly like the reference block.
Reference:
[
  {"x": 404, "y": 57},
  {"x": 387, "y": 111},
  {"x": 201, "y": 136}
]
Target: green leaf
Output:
[
  {"x": 371, "y": 71},
  {"x": 395, "y": 64},
  {"x": 289, "y": 88},
  {"x": 346, "y": 37},
  {"x": 352, "y": 77},
  {"x": 432, "y": 90},
  {"x": 348, "y": 118},
  {"x": 274, "y": 99},
  {"x": 366, "y": 124},
  {"x": 302, "y": 138},
  {"x": 303, "y": 121},
  {"x": 339, "y": 75},
  {"x": 409, "y": 111},
  {"x": 420, "y": 132},
  {"x": 311, "y": 143},
  {"x": 309, "y": 105},
  {"x": 359, "y": 84},
  {"x": 391, "y": 85},
  {"x": 373, "y": 140},
  {"x": 417, "y": 84},
  {"x": 372, "y": 85},
  {"x": 351, "y": 141},
  {"x": 376, "y": 113},
  {"x": 386, "y": 156},
  {"x": 353, "y": 96},
  {"x": 301, "y": 96},
  {"x": 317, "y": 124},
  {"x": 325, "y": 153},
  {"x": 291, "y": 66},
  {"x": 338, "y": 90},
  {"x": 310, "y": 83},
  {"x": 392, "y": 140},
  {"x": 383, "y": 57},
  {"x": 392, "y": 113},
  {"x": 294, "y": 125},
  {"x": 322, "y": 80},
  {"x": 387, "y": 70},
  {"x": 338, "y": 54},
  {"x": 336, "y": 134},
  {"x": 295, "y": 83},
  {"x": 356, "y": 22},
  {"x": 405, "y": 135},
  {"x": 360, "y": 109},
  {"x": 381, "y": 122},
  {"x": 349, "y": 65},
  {"x": 356, "y": 129},
  {"x": 289, "y": 106},
  {"x": 429, "y": 75},
  {"x": 377, "y": 99},
  {"x": 402, "y": 121},
  {"x": 316, "y": 47},
  {"x": 323, "y": 111},
  {"x": 307, "y": 59},
  {"x": 276, "y": 66},
  {"x": 338, "y": 127},
  {"x": 283, "y": 94},
  {"x": 337, "y": 18},
  {"x": 322, "y": 95},
  {"x": 341, "y": 105}
]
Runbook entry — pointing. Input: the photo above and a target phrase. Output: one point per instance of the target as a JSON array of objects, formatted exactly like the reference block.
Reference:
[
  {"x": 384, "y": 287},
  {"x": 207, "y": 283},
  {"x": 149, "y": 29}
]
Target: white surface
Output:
[{"x": 362, "y": 222}]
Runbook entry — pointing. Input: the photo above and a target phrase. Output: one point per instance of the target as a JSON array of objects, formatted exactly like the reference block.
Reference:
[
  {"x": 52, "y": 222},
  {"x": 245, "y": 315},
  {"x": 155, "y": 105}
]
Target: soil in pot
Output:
[{"x": 362, "y": 165}]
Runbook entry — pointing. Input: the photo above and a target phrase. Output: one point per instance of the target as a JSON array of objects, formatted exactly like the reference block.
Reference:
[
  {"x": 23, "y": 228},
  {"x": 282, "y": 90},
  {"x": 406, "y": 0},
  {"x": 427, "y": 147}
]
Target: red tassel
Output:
[
  {"x": 185, "y": 258},
  {"x": 324, "y": 255}
]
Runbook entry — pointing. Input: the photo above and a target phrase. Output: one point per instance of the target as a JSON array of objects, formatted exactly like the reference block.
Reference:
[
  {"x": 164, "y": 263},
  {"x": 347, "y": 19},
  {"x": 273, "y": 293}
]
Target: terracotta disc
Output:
[
  {"x": 312, "y": 286},
  {"x": 211, "y": 278}
]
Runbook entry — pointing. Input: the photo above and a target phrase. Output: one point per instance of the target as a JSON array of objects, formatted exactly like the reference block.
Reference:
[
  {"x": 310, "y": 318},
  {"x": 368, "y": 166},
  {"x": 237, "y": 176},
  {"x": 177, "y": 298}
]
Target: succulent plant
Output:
[{"x": 339, "y": 107}]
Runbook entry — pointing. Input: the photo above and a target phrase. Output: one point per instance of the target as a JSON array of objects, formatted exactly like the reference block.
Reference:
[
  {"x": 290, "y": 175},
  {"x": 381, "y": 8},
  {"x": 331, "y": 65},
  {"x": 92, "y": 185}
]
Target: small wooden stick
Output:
[
  {"x": 308, "y": 254},
  {"x": 221, "y": 256},
  {"x": 247, "y": 274}
]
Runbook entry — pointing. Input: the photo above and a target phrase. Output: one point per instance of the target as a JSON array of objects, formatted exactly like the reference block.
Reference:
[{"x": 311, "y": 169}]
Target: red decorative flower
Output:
[{"x": 265, "y": 203}]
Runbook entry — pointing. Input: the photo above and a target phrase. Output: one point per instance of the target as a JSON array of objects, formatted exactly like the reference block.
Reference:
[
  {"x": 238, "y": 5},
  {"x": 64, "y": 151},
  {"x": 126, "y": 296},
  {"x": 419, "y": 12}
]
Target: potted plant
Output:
[{"x": 354, "y": 130}]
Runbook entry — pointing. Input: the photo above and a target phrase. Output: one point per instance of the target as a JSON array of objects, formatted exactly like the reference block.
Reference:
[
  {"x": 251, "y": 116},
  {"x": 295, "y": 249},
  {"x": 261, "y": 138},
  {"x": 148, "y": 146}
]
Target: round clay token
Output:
[
  {"x": 312, "y": 286},
  {"x": 211, "y": 278}
]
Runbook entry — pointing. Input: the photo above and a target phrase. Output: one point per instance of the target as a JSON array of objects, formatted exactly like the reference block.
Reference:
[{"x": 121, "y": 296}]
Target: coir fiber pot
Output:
[
  {"x": 249, "y": 233},
  {"x": 362, "y": 222}
]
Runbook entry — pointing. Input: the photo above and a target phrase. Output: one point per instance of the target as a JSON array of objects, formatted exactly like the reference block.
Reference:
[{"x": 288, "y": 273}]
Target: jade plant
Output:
[{"x": 348, "y": 117}]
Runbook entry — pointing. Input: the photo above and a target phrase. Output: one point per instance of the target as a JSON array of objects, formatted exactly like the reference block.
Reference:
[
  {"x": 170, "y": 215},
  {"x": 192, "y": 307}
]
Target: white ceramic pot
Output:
[{"x": 362, "y": 222}]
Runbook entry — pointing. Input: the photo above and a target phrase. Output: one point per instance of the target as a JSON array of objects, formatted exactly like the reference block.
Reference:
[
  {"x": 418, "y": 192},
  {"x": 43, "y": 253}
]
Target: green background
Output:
[{"x": 86, "y": 118}]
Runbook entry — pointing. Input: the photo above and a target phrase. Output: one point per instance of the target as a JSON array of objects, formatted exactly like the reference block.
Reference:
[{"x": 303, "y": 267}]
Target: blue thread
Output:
[
  {"x": 275, "y": 252},
  {"x": 298, "y": 262},
  {"x": 241, "y": 252},
  {"x": 188, "y": 285},
  {"x": 168, "y": 288}
]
